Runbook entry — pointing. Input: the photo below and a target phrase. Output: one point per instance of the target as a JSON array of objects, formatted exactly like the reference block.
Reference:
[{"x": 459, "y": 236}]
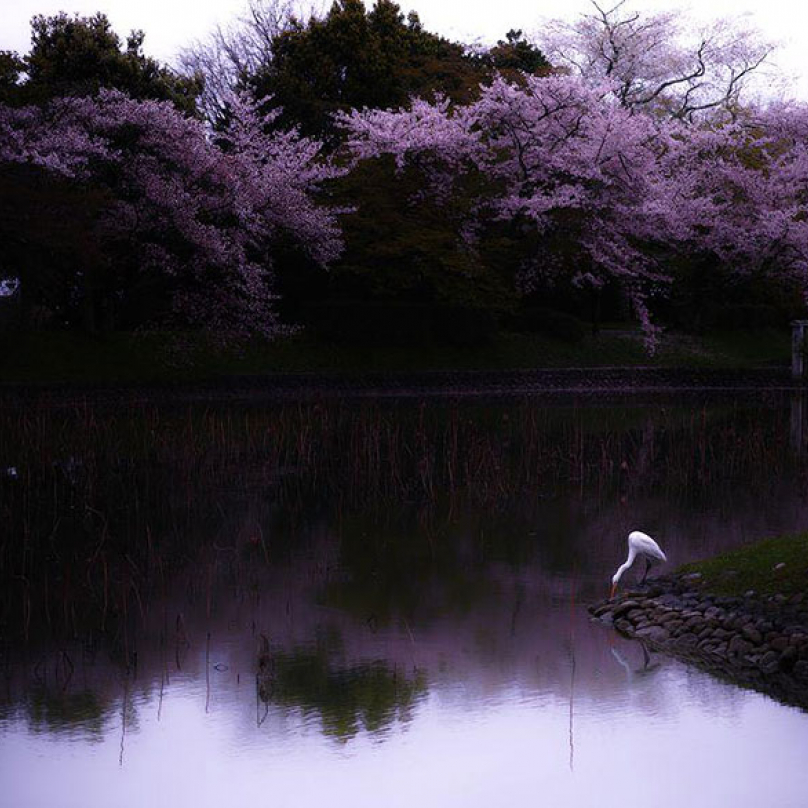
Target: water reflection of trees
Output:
[
  {"x": 64, "y": 692},
  {"x": 346, "y": 699},
  {"x": 63, "y": 711},
  {"x": 107, "y": 504}
]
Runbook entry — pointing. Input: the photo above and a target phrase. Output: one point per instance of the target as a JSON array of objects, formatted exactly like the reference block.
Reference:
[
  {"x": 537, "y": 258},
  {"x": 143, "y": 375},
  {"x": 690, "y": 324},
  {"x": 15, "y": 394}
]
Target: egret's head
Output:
[{"x": 615, "y": 579}]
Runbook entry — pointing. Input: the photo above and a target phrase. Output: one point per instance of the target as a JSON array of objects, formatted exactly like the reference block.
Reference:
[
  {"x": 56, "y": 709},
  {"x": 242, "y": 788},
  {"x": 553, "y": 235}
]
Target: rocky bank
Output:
[{"x": 756, "y": 641}]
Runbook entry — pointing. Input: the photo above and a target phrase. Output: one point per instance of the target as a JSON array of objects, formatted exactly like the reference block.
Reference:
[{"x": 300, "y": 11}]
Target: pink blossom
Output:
[
  {"x": 205, "y": 213},
  {"x": 626, "y": 189}
]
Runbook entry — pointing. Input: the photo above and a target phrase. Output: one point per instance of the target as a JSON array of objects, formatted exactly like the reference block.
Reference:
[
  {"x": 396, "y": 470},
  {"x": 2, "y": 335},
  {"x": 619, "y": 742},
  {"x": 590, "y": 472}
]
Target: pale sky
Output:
[{"x": 171, "y": 24}]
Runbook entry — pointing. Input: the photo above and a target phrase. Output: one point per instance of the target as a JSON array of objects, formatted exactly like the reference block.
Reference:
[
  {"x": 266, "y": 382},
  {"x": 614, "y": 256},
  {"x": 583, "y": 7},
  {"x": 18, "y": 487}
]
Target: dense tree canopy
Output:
[
  {"x": 412, "y": 245},
  {"x": 77, "y": 56},
  {"x": 184, "y": 222},
  {"x": 612, "y": 193},
  {"x": 349, "y": 56},
  {"x": 515, "y": 53},
  {"x": 468, "y": 177},
  {"x": 11, "y": 70},
  {"x": 353, "y": 58}
]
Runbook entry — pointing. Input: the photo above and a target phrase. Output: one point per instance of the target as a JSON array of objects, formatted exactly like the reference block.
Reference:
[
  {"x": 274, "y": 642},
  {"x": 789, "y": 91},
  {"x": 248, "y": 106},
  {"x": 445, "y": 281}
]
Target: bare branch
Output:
[
  {"x": 231, "y": 53},
  {"x": 654, "y": 61}
]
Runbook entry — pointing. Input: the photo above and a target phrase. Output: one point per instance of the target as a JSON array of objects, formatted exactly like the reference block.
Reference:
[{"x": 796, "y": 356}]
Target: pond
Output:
[{"x": 359, "y": 602}]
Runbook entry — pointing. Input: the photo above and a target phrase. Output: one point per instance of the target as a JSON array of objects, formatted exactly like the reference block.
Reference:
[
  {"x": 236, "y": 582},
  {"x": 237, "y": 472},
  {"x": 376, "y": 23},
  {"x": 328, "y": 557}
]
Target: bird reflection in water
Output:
[{"x": 648, "y": 666}]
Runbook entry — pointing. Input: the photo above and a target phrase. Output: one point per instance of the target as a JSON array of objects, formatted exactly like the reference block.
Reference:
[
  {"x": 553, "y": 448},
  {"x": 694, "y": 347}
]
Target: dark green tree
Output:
[
  {"x": 355, "y": 58},
  {"x": 516, "y": 53},
  {"x": 410, "y": 273},
  {"x": 401, "y": 245},
  {"x": 80, "y": 55},
  {"x": 11, "y": 71}
]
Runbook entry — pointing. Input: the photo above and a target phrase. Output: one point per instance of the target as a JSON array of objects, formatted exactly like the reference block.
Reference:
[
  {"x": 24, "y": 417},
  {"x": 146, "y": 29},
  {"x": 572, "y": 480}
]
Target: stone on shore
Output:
[
  {"x": 756, "y": 640},
  {"x": 656, "y": 634}
]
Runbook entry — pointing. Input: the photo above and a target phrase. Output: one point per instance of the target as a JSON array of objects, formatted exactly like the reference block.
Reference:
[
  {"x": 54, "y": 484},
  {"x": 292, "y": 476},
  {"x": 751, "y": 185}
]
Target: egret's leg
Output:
[
  {"x": 645, "y": 574},
  {"x": 645, "y": 655}
]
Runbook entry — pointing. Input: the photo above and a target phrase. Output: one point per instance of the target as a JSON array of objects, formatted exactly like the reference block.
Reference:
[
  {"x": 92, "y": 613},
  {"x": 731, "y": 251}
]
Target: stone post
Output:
[
  {"x": 798, "y": 348},
  {"x": 797, "y": 420}
]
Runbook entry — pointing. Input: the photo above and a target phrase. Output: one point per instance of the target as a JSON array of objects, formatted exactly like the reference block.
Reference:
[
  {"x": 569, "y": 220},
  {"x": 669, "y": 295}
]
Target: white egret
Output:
[{"x": 639, "y": 543}]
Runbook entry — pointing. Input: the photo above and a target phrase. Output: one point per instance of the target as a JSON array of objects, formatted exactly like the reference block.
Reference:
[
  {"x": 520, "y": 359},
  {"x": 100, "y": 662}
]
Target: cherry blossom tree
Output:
[
  {"x": 195, "y": 219},
  {"x": 614, "y": 194},
  {"x": 739, "y": 192},
  {"x": 658, "y": 61},
  {"x": 566, "y": 159}
]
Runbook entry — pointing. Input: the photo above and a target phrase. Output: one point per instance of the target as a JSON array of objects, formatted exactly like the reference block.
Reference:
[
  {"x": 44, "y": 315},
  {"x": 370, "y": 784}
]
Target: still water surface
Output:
[{"x": 362, "y": 604}]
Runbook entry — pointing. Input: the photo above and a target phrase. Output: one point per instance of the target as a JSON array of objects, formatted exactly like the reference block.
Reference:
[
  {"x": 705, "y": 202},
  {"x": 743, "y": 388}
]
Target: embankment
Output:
[{"x": 759, "y": 641}]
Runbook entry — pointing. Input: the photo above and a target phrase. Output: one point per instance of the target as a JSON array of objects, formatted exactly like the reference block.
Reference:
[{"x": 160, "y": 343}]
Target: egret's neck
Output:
[{"x": 632, "y": 554}]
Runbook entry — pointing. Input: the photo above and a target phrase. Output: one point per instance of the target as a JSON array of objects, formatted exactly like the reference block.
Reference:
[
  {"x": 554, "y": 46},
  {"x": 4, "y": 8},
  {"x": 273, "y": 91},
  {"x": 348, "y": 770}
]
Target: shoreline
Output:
[
  {"x": 751, "y": 640},
  {"x": 573, "y": 381}
]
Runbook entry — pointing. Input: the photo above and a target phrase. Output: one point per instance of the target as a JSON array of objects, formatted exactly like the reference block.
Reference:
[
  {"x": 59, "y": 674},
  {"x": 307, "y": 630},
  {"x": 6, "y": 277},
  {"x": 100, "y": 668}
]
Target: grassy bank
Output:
[
  {"x": 52, "y": 356},
  {"x": 776, "y": 565}
]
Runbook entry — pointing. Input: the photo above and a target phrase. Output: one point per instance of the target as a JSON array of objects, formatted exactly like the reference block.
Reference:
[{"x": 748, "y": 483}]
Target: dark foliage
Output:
[
  {"x": 354, "y": 58},
  {"x": 393, "y": 323},
  {"x": 515, "y": 53},
  {"x": 80, "y": 55},
  {"x": 12, "y": 68},
  {"x": 556, "y": 324},
  {"x": 402, "y": 243},
  {"x": 748, "y": 315},
  {"x": 48, "y": 242}
]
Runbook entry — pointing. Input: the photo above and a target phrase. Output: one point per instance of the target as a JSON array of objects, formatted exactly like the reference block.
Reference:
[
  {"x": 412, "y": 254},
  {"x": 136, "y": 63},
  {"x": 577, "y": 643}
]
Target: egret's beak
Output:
[{"x": 613, "y": 590}]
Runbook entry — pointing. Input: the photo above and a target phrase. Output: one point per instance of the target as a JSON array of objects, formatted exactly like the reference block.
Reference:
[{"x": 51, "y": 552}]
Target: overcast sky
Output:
[{"x": 171, "y": 24}]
